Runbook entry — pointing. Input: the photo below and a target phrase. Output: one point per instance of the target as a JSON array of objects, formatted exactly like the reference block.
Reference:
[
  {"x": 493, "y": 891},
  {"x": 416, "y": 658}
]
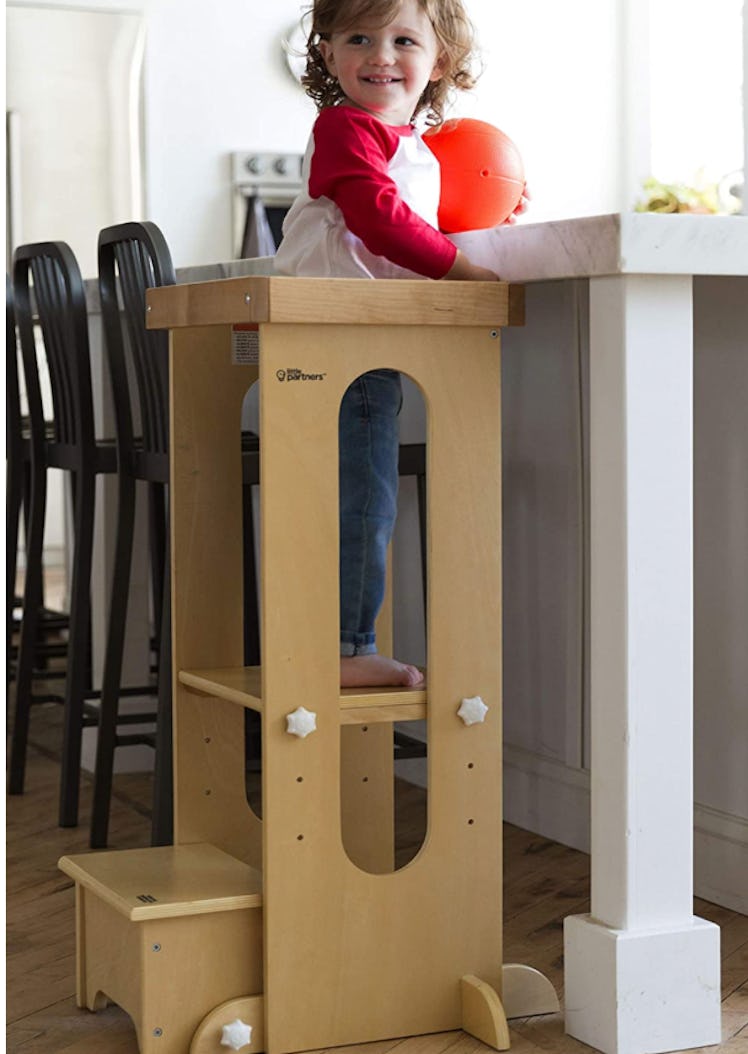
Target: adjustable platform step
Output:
[{"x": 358, "y": 706}]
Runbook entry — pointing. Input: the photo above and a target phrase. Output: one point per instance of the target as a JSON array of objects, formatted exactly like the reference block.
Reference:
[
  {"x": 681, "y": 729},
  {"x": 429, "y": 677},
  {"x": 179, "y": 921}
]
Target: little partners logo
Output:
[{"x": 299, "y": 375}]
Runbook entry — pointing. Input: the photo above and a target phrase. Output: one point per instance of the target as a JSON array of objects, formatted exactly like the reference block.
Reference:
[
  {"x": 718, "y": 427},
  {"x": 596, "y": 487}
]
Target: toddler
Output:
[{"x": 369, "y": 210}]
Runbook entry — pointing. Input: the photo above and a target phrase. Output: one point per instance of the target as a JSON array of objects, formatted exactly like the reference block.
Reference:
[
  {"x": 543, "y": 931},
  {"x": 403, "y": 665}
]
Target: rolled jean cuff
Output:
[{"x": 357, "y": 644}]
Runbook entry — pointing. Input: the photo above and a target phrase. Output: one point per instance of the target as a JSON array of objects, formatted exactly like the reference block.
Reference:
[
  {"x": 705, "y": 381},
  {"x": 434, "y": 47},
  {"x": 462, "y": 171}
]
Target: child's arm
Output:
[
  {"x": 350, "y": 167},
  {"x": 462, "y": 270}
]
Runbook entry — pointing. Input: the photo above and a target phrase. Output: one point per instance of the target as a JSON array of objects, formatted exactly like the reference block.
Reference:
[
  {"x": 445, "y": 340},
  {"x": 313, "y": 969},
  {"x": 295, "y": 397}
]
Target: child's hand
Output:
[
  {"x": 462, "y": 270},
  {"x": 522, "y": 206}
]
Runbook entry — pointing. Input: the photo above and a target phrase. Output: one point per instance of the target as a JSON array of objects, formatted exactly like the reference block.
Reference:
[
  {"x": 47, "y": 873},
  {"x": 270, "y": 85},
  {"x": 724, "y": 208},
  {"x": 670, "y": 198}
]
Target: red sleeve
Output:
[{"x": 352, "y": 151}]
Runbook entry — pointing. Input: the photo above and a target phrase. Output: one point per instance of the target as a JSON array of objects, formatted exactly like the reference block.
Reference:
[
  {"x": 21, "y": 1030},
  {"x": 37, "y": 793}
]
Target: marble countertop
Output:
[
  {"x": 625, "y": 243},
  {"x": 585, "y": 247}
]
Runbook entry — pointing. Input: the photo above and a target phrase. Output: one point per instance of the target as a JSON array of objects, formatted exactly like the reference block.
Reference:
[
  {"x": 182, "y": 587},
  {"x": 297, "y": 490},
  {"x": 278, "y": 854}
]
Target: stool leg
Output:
[
  {"x": 108, "y": 710},
  {"x": 162, "y": 825},
  {"x": 14, "y": 492},
  {"x": 32, "y": 604},
  {"x": 157, "y": 543},
  {"x": 77, "y": 671}
]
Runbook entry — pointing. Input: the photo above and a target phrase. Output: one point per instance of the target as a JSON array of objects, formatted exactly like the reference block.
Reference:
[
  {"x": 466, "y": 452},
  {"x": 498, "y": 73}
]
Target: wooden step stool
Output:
[
  {"x": 168, "y": 934},
  {"x": 352, "y": 950}
]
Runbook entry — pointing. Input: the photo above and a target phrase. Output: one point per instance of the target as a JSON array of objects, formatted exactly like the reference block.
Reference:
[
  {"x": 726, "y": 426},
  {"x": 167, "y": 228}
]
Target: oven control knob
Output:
[{"x": 255, "y": 165}]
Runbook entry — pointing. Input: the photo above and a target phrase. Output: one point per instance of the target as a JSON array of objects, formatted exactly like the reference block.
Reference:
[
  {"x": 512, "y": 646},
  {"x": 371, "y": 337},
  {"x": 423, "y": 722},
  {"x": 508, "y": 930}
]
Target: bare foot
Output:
[{"x": 374, "y": 671}]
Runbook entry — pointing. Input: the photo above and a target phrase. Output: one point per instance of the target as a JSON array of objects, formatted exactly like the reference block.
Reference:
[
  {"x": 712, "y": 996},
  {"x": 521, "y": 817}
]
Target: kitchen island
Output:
[{"x": 641, "y": 972}]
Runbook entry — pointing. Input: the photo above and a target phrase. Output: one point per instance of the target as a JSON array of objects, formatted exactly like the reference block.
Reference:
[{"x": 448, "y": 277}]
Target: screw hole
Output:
[
  {"x": 471, "y": 765},
  {"x": 470, "y": 822},
  {"x": 299, "y": 837},
  {"x": 208, "y": 793},
  {"x": 299, "y": 779},
  {"x": 365, "y": 779},
  {"x": 364, "y": 728}
]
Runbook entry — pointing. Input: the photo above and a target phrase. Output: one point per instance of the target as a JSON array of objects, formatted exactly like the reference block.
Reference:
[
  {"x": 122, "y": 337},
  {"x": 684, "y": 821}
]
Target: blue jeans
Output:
[{"x": 369, "y": 450}]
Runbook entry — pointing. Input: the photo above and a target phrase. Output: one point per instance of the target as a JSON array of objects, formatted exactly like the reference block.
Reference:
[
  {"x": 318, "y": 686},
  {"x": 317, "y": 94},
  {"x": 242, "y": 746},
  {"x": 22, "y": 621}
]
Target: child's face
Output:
[{"x": 385, "y": 69}]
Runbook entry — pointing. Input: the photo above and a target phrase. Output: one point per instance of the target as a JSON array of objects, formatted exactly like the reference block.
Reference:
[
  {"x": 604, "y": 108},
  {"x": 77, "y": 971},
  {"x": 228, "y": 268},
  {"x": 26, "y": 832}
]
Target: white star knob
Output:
[
  {"x": 301, "y": 722},
  {"x": 237, "y": 1035},
  {"x": 473, "y": 710}
]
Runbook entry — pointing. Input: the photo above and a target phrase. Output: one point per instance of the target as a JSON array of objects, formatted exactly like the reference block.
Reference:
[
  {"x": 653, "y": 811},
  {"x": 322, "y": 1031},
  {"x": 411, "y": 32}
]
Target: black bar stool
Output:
[
  {"x": 51, "y": 623},
  {"x": 133, "y": 257},
  {"x": 67, "y": 441}
]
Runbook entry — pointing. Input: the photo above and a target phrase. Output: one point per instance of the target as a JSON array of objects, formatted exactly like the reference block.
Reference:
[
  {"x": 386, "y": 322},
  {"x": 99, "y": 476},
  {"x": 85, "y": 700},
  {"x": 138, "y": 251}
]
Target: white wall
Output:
[
  {"x": 214, "y": 85},
  {"x": 76, "y": 158},
  {"x": 744, "y": 209},
  {"x": 696, "y": 102},
  {"x": 556, "y": 92}
]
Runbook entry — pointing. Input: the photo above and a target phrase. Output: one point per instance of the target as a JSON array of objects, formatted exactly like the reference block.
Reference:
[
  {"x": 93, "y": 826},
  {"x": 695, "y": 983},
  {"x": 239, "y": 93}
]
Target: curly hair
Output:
[{"x": 452, "y": 27}]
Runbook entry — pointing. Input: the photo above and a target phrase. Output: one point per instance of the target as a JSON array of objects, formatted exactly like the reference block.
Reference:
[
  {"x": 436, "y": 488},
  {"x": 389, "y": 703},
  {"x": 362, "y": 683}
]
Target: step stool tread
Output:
[{"x": 167, "y": 881}]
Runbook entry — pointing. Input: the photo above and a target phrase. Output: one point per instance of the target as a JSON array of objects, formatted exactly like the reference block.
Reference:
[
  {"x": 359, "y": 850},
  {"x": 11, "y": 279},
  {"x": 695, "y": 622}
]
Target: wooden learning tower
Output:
[{"x": 294, "y": 932}]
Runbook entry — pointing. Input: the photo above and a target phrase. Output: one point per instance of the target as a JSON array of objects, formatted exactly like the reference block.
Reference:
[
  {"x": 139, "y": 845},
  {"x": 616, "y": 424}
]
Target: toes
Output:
[{"x": 413, "y": 676}]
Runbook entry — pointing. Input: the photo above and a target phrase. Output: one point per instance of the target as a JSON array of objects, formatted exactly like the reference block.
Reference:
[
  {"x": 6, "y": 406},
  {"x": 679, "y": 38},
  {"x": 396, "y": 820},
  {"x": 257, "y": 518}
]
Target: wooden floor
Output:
[{"x": 543, "y": 883}]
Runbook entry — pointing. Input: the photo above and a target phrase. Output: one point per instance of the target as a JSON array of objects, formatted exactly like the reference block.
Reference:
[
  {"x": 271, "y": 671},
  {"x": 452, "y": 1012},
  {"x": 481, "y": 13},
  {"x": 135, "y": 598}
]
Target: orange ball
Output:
[{"x": 482, "y": 174}]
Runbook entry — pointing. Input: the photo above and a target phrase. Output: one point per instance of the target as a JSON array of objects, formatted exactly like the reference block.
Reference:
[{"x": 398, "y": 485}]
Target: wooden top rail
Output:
[{"x": 342, "y": 301}]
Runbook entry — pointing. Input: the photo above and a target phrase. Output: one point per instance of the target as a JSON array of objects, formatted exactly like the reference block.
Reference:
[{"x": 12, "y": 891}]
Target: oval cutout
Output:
[{"x": 384, "y": 798}]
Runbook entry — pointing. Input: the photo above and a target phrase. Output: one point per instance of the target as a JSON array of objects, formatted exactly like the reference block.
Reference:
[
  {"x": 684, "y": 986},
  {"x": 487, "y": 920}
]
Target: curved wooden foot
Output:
[
  {"x": 100, "y": 1001},
  {"x": 250, "y": 1009},
  {"x": 525, "y": 991},
  {"x": 482, "y": 1013}
]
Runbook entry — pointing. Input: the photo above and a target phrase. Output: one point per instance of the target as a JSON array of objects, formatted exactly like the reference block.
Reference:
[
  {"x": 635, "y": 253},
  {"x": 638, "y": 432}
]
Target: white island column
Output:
[{"x": 642, "y": 974}]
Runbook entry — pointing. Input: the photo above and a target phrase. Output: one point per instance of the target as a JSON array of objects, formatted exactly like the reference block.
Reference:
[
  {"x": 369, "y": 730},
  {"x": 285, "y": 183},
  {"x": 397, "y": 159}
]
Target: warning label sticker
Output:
[{"x": 245, "y": 345}]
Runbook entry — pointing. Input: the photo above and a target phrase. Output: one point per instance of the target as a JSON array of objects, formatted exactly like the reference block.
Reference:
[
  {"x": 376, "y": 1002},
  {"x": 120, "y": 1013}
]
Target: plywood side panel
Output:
[
  {"x": 441, "y": 914},
  {"x": 207, "y": 395}
]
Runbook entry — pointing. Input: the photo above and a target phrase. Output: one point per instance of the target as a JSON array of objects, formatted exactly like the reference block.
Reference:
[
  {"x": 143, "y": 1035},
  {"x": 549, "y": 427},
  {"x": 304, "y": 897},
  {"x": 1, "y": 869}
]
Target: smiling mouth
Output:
[{"x": 382, "y": 80}]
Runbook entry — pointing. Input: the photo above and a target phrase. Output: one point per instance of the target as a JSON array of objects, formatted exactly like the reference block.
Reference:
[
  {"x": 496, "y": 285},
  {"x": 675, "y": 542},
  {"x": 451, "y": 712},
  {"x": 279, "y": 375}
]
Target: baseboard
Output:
[
  {"x": 547, "y": 797},
  {"x": 551, "y": 799},
  {"x": 721, "y": 858},
  {"x": 55, "y": 558}
]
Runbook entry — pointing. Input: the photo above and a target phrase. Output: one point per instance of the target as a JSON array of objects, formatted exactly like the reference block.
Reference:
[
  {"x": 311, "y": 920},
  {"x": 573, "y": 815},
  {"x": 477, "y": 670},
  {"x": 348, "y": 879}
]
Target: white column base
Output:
[{"x": 643, "y": 991}]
